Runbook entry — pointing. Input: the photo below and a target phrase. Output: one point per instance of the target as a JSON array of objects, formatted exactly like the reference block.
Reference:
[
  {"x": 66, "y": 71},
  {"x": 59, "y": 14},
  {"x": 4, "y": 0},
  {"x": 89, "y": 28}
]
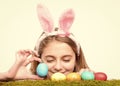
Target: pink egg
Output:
[{"x": 100, "y": 76}]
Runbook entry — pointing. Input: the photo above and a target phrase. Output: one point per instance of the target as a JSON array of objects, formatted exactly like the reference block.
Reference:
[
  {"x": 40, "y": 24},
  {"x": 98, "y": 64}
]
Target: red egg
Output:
[{"x": 100, "y": 76}]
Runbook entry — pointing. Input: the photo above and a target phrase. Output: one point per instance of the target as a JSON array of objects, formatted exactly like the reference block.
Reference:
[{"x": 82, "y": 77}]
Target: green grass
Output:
[{"x": 61, "y": 83}]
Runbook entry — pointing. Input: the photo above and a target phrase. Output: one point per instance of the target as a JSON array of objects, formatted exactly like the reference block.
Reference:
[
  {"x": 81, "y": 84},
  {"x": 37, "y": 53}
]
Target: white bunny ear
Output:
[
  {"x": 66, "y": 20},
  {"x": 45, "y": 18}
]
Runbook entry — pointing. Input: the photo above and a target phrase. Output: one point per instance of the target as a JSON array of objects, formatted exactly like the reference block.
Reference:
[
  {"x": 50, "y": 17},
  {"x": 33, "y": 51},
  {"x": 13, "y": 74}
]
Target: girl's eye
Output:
[
  {"x": 50, "y": 61},
  {"x": 66, "y": 60}
]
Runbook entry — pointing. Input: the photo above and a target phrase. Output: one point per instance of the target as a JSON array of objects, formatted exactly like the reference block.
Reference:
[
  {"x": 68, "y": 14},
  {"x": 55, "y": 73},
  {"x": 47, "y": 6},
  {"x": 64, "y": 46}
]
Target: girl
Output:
[{"x": 58, "y": 48}]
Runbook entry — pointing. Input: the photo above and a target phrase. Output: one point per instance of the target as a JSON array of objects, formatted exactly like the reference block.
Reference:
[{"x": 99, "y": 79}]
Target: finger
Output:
[
  {"x": 91, "y": 70},
  {"x": 87, "y": 69},
  {"x": 35, "y": 59},
  {"x": 27, "y": 52},
  {"x": 82, "y": 70},
  {"x": 22, "y": 54},
  {"x": 30, "y": 60},
  {"x": 34, "y": 53}
]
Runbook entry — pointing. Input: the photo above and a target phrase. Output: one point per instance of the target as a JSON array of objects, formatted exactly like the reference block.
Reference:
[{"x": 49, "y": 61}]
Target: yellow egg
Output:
[
  {"x": 58, "y": 77},
  {"x": 73, "y": 76}
]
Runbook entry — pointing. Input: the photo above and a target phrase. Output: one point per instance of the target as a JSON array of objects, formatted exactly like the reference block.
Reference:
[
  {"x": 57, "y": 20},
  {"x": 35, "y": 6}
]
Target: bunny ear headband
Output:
[{"x": 65, "y": 22}]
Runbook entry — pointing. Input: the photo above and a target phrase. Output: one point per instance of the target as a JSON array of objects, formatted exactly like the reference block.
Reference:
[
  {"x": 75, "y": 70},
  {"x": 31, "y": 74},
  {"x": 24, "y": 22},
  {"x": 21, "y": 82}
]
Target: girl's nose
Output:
[{"x": 58, "y": 66}]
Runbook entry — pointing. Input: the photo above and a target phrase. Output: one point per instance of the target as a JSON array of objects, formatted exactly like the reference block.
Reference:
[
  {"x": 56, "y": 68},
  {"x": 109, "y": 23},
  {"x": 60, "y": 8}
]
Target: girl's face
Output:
[{"x": 59, "y": 57}]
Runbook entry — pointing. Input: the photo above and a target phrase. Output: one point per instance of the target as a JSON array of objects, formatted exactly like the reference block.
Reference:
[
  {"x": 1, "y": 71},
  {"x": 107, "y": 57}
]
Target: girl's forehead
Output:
[
  {"x": 57, "y": 44},
  {"x": 56, "y": 47}
]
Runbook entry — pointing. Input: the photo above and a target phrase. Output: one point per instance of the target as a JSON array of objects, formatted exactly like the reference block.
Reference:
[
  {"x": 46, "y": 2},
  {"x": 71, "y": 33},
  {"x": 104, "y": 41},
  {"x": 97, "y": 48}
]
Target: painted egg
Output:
[
  {"x": 100, "y": 76},
  {"x": 73, "y": 76},
  {"x": 42, "y": 69},
  {"x": 58, "y": 77},
  {"x": 87, "y": 75}
]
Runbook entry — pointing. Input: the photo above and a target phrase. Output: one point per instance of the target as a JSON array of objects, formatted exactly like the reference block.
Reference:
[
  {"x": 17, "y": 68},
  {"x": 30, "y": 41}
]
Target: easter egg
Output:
[
  {"x": 100, "y": 76},
  {"x": 42, "y": 69},
  {"x": 87, "y": 75},
  {"x": 58, "y": 77},
  {"x": 73, "y": 76}
]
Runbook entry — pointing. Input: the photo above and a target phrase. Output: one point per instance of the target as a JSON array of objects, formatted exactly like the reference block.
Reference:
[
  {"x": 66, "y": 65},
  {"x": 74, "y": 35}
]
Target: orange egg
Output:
[{"x": 73, "y": 76}]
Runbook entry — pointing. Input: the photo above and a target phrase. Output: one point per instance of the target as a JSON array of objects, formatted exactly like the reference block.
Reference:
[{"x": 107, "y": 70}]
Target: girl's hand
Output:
[{"x": 25, "y": 57}]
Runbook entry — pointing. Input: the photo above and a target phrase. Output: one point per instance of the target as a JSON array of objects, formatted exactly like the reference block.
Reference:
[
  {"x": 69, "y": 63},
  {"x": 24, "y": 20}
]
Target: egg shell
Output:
[
  {"x": 87, "y": 75},
  {"x": 42, "y": 69},
  {"x": 100, "y": 76},
  {"x": 73, "y": 76},
  {"x": 58, "y": 77}
]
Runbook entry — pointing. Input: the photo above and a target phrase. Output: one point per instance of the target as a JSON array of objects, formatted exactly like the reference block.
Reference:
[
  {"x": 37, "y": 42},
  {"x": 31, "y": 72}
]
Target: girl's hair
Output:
[{"x": 80, "y": 59}]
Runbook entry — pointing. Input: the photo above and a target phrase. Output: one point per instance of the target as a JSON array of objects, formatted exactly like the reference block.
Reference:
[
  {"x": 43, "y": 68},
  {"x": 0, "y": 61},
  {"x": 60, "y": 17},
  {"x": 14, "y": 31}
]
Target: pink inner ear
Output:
[
  {"x": 66, "y": 20},
  {"x": 45, "y": 18}
]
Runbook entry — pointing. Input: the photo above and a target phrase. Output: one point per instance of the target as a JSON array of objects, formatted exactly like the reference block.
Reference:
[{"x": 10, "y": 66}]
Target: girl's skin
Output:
[
  {"x": 19, "y": 70},
  {"x": 59, "y": 58}
]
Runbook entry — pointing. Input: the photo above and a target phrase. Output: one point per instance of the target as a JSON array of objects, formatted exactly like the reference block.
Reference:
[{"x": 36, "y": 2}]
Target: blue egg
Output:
[
  {"x": 42, "y": 69},
  {"x": 87, "y": 75}
]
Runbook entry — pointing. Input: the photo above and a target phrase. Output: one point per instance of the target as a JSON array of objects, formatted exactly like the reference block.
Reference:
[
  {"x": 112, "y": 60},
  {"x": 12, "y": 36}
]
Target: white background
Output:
[{"x": 96, "y": 25}]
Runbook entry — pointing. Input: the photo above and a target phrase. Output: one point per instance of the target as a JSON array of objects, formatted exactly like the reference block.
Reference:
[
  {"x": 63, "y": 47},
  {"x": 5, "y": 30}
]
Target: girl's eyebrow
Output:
[
  {"x": 67, "y": 56},
  {"x": 54, "y": 56},
  {"x": 49, "y": 56}
]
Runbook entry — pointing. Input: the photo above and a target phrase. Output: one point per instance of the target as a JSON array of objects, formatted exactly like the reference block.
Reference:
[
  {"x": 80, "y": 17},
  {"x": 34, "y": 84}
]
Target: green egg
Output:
[{"x": 87, "y": 75}]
